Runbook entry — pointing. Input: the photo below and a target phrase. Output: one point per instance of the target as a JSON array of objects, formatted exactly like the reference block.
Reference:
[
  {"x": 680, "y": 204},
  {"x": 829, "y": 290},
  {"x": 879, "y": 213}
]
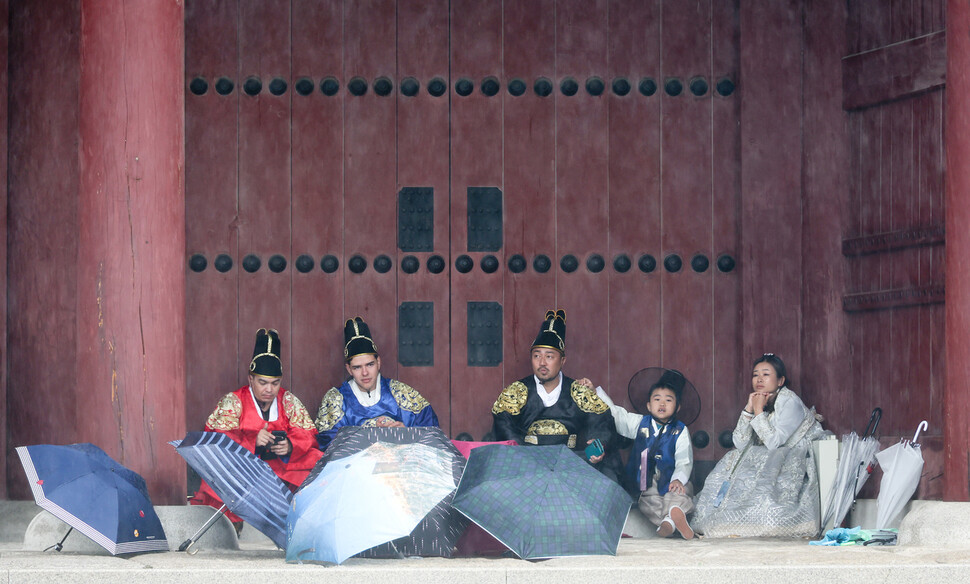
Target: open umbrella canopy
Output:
[
  {"x": 246, "y": 484},
  {"x": 542, "y": 501},
  {"x": 376, "y": 495},
  {"x": 902, "y": 465},
  {"x": 90, "y": 491}
]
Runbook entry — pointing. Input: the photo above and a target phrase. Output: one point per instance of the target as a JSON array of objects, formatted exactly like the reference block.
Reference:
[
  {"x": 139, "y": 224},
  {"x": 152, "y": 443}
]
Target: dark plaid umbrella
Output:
[
  {"x": 246, "y": 484},
  {"x": 90, "y": 491},
  {"x": 438, "y": 533},
  {"x": 542, "y": 501}
]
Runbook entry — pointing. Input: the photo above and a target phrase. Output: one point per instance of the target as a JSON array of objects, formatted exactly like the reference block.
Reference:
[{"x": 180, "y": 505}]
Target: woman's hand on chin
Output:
[{"x": 757, "y": 402}]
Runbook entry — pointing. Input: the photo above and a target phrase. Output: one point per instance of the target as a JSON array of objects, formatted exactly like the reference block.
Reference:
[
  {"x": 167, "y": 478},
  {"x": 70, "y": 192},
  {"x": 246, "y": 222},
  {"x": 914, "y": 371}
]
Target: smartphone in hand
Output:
[{"x": 595, "y": 448}]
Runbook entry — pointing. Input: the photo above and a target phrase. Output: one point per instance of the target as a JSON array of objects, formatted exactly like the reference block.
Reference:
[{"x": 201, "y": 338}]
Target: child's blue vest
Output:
[{"x": 661, "y": 456}]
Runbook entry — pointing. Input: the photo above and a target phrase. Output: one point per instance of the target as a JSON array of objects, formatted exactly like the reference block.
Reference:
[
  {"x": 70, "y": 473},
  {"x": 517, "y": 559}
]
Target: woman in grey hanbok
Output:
[{"x": 767, "y": 485}]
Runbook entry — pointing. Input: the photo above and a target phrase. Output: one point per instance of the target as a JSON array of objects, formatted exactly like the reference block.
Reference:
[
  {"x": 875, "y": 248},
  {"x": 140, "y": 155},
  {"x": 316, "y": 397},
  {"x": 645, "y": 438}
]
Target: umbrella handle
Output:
[
  {"x": 922, "y": 426},
  {"x": 873, "y": 422},
  {"x": 59, "y": 546},
  {"x": 205, "y": 527}
]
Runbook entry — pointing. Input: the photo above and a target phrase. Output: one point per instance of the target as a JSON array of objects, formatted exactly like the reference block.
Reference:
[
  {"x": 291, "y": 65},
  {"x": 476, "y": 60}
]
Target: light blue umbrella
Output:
[{"x": 374, "y": 496}]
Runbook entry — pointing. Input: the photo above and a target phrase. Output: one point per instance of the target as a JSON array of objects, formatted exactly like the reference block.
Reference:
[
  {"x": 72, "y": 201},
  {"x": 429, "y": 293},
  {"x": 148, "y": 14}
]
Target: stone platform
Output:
[{"x": 934, "y": 547}]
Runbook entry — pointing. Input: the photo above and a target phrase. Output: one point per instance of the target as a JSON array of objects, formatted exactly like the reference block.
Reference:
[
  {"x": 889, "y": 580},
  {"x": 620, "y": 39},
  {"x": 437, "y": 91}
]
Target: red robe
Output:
[{"x": 238, "y": 417}]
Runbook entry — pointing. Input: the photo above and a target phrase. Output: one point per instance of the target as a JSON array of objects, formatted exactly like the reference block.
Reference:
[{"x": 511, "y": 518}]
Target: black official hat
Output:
[
  {"x": 266, "y": 354},
  {"x": 673, "y": 380},
  {"x": 646, "y": 380},
  {"x": 357, "y": 339},
  {"x": 552, "y": 335}
]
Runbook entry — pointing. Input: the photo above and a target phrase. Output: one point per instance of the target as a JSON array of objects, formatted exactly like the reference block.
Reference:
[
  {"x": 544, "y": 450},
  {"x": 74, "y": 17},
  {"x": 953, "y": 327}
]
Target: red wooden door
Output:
[{"x": 451, "y": 169}]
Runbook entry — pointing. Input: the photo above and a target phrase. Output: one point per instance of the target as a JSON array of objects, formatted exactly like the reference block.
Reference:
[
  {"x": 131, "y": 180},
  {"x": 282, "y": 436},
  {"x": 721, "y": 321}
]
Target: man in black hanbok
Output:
[{"x": 550, "y": 408}]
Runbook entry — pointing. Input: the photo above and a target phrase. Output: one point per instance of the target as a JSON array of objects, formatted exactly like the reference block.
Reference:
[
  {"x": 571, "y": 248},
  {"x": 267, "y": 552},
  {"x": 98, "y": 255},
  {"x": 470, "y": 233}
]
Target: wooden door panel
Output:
[
  {"x": 369, "y": 174},
  {"x": 529, "y": 33},
  {"x": 422, "y": 161},
  {"x": 686, "y": 198},
  {"x": 211, "y": 137},
  {"x": 634, "y": 195},
  {"x": 582, "y": 185},
  {"x": 264, "y": 176},
  {"x": 476, "y": 161},
  {"x": 317, "y": 195}
]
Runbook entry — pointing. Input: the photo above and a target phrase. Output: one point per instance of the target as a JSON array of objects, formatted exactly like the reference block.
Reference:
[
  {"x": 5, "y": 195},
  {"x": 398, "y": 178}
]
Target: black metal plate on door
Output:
[
  {"x": 415, "y": 219},
  {"x": 415, "y": 334},
  {"x": 484, "y": 219},
  {"x": 484, "y": 334}
]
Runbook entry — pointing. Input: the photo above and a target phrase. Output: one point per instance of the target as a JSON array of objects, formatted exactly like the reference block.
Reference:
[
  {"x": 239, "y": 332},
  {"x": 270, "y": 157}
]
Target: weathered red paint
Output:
[
  {"x": 131, "y": 239},
  {"x": 956, "y": 428},
  {"x": 4, "y": 48}
]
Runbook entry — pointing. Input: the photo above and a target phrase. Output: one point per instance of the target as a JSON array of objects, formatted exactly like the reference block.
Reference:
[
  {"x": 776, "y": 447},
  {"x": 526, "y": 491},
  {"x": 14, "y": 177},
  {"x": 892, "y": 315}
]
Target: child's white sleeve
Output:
[
  {"x": 626, "y": 422},
  {"x": 683, "y": 458}
]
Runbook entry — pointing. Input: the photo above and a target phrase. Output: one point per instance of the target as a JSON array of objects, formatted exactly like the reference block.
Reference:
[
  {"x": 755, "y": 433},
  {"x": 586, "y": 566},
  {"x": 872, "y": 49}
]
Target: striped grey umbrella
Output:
[{"x": 246, "y": 484}]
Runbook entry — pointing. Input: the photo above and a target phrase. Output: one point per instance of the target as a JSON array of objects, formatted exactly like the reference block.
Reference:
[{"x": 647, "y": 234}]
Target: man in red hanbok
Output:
[{"x": 267, "y": 420}]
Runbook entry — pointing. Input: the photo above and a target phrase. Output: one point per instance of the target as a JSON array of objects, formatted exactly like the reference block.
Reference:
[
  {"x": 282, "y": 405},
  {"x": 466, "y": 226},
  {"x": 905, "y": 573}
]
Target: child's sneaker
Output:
[
  {"x": 666, "y": 528},
  {"x": 680, "y": 521}
]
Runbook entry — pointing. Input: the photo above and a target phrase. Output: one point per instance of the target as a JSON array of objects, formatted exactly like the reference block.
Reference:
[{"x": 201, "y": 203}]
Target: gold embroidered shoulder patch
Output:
[
  {"x": 587, "y": 400},
  {"x": 407, "y": 397},
  {"x": 296, "y": 413},
  {"x": 512, "y": 399},
  {"x": 331, "y": 410},
  {"x": 226, "y": 415}
]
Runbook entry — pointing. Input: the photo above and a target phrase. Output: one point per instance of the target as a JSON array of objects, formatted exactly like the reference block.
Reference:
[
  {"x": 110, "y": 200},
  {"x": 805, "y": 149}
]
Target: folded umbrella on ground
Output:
[
  {"x": 247, "y": 485},
  {"x": 377, "y": 495},
  {"x": 902, "y": 465},
  {"x": 94, "y": 494},
  {"x": 857, "y": 457},
  {"x": 542, "y": 501}
]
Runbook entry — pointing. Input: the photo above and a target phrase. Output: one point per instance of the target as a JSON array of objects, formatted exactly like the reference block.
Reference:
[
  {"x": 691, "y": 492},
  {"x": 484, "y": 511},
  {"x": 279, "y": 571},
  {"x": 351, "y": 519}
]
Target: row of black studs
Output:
[
  {"x": 489, "y": 264},
  {"x": 490, "y": 86}
]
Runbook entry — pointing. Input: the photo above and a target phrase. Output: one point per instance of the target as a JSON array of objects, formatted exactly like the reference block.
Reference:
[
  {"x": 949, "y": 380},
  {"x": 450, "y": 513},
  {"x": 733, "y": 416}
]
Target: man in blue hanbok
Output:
[{"x": 367, "y": 398}]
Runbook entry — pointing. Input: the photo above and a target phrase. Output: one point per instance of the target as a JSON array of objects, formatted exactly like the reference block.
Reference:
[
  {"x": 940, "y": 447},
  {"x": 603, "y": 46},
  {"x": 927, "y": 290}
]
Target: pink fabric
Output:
[
  {"x": 476, "y": 541},
  {"x": 466, "y": 447}
]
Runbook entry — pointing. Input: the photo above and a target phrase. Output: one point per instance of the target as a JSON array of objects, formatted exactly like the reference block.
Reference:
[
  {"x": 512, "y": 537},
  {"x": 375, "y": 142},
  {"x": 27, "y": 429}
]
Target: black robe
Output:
[{"x": 577, "y": 416}]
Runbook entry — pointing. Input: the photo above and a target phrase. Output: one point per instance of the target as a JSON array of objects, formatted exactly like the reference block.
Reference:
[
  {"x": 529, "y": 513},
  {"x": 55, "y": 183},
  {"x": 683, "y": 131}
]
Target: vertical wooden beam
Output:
[
  {"x": 131, "y": 239},
  {"x": 956, "y": 401},
  {"x": 771, "y": 162},
  {"x": 4, "y": 40}
]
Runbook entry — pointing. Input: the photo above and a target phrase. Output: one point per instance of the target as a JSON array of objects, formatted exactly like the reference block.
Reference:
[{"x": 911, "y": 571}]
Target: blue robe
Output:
[
  {"x": 340, "y": 407},
  {"x": 660, "y": 456}
]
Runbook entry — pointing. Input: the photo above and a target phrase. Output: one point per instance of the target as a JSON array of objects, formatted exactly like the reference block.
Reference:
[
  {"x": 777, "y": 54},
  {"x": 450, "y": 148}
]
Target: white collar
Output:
[
  {"x": 367, "y": 399},
  {"x": 551, "y": 397},
  {"x": 274, "y": 413}
]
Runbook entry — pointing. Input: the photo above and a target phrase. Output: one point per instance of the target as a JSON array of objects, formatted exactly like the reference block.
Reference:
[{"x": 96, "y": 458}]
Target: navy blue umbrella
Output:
[
  {"x": 94, "y": 494},
  {"x": 246, "y": 484}
]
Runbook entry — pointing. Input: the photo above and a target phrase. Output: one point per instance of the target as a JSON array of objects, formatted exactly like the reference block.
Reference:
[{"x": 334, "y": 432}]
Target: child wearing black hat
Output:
[{"x": 661, "y": 459}]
